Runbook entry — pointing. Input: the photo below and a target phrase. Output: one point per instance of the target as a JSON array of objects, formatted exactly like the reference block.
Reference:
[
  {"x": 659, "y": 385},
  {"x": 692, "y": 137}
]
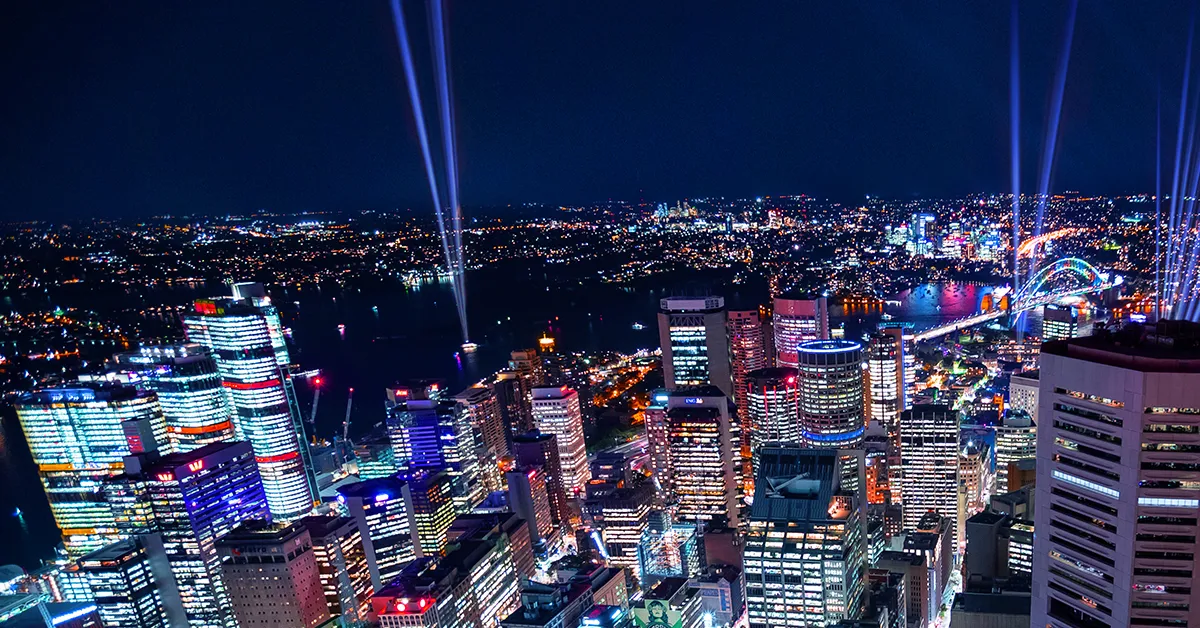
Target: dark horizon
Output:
[{"x": 144, "y": 109}]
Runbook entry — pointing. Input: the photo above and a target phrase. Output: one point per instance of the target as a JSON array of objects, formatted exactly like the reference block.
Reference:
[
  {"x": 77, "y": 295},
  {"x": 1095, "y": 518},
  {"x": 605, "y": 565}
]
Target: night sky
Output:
[{"x": 142, "y": 108}]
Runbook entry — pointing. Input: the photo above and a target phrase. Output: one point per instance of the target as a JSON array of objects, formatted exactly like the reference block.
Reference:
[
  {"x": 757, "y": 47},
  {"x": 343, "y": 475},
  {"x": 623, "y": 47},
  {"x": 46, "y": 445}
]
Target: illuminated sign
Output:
[
  {"x": 693, "y": 400},
  {"x": 165, "y": 477},
  {"x": 195, "y": 466}
]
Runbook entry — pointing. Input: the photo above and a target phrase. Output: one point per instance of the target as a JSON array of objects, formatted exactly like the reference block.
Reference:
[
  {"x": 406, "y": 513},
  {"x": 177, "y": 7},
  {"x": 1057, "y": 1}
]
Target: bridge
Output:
[{"x": 1043, "y": 288}]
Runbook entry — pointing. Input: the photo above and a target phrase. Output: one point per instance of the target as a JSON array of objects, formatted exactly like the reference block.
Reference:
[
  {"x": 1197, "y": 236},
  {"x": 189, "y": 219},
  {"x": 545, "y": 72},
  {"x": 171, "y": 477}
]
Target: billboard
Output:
[{"x": 656, "y": 614}]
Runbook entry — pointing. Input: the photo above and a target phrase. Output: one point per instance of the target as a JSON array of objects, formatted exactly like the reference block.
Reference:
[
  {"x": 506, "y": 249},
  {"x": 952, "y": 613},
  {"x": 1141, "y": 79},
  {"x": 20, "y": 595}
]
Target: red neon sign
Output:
[{"x": 195, "y": 465}]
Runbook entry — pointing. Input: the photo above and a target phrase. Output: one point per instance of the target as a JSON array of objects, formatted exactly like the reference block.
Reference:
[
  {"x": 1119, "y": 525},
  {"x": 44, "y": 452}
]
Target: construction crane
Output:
[
  {"x": 312, "y": 417},
  {"x": 346, "y": 423}
]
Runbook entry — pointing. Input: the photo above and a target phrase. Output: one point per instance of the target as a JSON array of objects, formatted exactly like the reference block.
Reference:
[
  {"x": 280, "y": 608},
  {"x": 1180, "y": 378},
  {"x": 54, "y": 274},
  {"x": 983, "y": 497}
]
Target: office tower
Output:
[
  {"x": 515, "y": 407},
  {"x": 805, "y": 552},
  {"x": 528, "y": 497},
  {"x": 130, "y": 582},
  {"x": 547, "y": 605},
  {"x": 474, "y": 584},
  {"x": 1116, "y": 477},
  {"x": 1016, "y": 439},
  {"x": 246, "y": 338},
  {"x": 428, "y": 431},
  {"x": 773, "y": 402},
  {"x": 974, "y": 479},
  {"x": 483, "y": 410},
  {"x": 830, "y": 378},
  {"x": 500, "y": 525},
  {"x": 906, "y": 359},
  {"x": 1023, "y": 392},
  {"x": 79, "y": 437},
  {"x": 886, "y": 390},
  {"x": 342, "y": 563},
  {"x": 382, "y": 510},
  {"x": 674, "y": 551},
  {"x": 189, "y": 388},
  {"x": 556, "y": 411},
  {"x": 933, "y": 541},
  {"x": 929, "y": 461},
  {"x": 431, "y": 508},
  {"x": 196, "y": 498},
  {"x": 703, "y": 456},
  {"x": 375, "y": 457},
  {"x": 622, "y": 516},
  {"x": 747, "y": 353},
  {"x": 271, "y": 573},
  {"x": 536, "y": 449},
  {"x": 1059, "y": 322},
  {"x": 657, "y": 447},
  {"x": 694, "y": 341},
  {"x": 797, "y": 318}
]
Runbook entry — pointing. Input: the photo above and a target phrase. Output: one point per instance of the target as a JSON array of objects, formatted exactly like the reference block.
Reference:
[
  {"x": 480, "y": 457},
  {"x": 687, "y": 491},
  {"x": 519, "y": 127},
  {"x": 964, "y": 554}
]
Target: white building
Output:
[
  {"x": 1117, "y": 479},
  {"x": 929, "y": 463},
  {"x": 556, "y": 411},
  {"x": 1023, "y": 392},
  {"x": 1016, "y": 439}
]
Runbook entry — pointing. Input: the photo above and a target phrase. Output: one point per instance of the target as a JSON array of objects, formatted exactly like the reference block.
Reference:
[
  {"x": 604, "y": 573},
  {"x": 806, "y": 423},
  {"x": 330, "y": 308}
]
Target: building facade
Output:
[
  {"x": 695, "y": 346},
  {"x": 271, "y": 573},
  {"x": 556, "y": 411},
  {"x": 830, "y": 377},
  {"x": 797, "y": 318}
]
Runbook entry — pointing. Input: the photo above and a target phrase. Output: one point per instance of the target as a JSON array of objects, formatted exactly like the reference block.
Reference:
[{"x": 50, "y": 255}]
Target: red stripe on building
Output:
[
  {"x": 204, "y": 429},
  {"x": 270, "y": 383},
  {"x": 280, "y": 458}
]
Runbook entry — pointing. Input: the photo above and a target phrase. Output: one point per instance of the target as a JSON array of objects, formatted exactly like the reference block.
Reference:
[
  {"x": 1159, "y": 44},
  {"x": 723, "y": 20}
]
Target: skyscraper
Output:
[
  {"x": 541, "y": 450},
  {"x": 1059, "y": 322},
  {"x": 189, "y": 388},
  {"x": 342, "y": 563},
  {"x": 1023, "y": 393},
  {"x": 887, "y": 380},
  {"x": 196, "y": 498},
  {"x": 246, "y": 338},
  {"x": 657, "y": 446},
  {"x": 694, "y": 341},
  {"x": 79, "y": 436},
  {"x": 703, "y": 456},
  {"x": 906, "y": 359},
  {"x": 131, "y": 584},
  {"x": 528, "y": 497},
  {"x": 1115, "y": 522},
  {"x": 428, "y": 431},
  {"x": 747, "y": 353},
  {"x": 484, "y": 414},
  {"x": 1016, "y": 439},
  {"x": 621, "y": 517},
  {"x": 272, "y": 563},
  {"x": 382, "y": 510},
  {"x": 830, "y": 378},
  {"x": 798, "y": 318},
  {"x": 556, "y": 411},
  {"x": 805, "y": 553},
  {"x": 929, "y": 443},
  {"x": 431, "y": 509},
  {"x": 773, "y": 402}
]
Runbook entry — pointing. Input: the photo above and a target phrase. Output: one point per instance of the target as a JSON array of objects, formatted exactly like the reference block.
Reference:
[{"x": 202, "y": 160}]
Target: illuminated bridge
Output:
[{"x": 1046, "y": 286}]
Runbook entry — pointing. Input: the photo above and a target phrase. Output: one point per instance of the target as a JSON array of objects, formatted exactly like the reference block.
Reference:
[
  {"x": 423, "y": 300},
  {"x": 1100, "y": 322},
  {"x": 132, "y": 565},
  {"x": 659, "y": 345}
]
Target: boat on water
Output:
[
  {"x": 469, "y": 347},
  {"x": 638, "y": 326}
]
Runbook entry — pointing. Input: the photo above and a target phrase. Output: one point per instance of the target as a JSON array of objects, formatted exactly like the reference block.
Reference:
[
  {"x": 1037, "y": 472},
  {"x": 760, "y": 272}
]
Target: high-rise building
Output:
[
  {"x": 747, "y": 353},
  {"x": 528, "y": 497},
  {"x": 703, "y": 456},
  {"x": 79, "y": 436},
  {"x": 674, "y": 551},
  {"x": 830, "y": 377},
  {"x": 622, "y": 516},
  {"x": 798, "y": 318},
  {"x": 246, "y": 338},
  {"x": 974, "y": 484},
  {"x": 805, "y": 552},
  {"x": 886, "y": 391},
  {"x": 657, "y": 446},
  {"x": 342, "y": 564},
  {"x": 271, "y": 573},
  {"x": 773, "y": 403},
  {"x": 929, "y": 443},
  {"x": 196, "y": 498},
  {"x": 1116, "y": 478},
  {"x": 906, "y": 359},
  {"x": 536, "y": 449},
  {"x": 382, "y": 509},
  {"x": 428, "y": 431},
  {"x": 694, "y": 341},
  {"x": 1023, "y": 392},
  {"x": 1059, "y": 322},
  {"x": 1016, "y": 439},
  {"x": 431, "y": 509},
  {"x": 131, "y": 584},
  {"x": 485, "y": 416},
  {"x": 515, "y": 403},
  {"x": 556, "y": 411},
  {"x": 189, "y": 388}
]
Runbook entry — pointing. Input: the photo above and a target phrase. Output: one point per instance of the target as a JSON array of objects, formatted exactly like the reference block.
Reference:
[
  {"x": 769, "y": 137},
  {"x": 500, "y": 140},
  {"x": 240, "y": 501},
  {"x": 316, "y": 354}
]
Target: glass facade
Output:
[{"x": 830, "y": 379}]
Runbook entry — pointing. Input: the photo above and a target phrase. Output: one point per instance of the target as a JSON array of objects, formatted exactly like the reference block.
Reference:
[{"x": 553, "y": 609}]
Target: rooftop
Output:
[{"x": 1165, "y": 347}]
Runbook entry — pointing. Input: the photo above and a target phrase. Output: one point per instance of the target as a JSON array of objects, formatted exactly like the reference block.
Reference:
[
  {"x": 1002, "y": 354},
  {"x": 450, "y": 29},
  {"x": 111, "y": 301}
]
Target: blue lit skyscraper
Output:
[
  {"x": 830, "y": 377},
  {"x": 383, "y": 510},
  {"x": 189, "y": 387},
  {"x": 79, "y": 437},
  {"x": 246, "y": 339}
]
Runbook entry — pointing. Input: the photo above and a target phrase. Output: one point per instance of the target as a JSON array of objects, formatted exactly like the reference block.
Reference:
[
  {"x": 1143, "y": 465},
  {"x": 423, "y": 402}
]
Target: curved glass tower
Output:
[
  {"x": 773, "y": 402},
  {"x": 830, "y": 378},
  {"x": 245, "y": 338}
]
